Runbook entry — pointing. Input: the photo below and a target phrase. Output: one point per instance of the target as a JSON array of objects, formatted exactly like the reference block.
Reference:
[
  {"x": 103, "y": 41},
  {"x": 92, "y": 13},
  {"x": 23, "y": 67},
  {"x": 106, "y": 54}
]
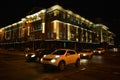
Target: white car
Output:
[{"x": 60, "y": 58}]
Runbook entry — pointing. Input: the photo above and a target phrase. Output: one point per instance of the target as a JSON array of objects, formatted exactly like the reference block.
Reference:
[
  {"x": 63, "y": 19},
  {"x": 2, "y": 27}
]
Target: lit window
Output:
[
  {"x": 56, "y": 12},
  {"x": 68, "y": 16}
]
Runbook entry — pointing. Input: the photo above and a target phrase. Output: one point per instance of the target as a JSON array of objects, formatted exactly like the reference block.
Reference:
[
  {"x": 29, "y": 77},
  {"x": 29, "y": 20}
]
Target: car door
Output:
[
  {"x": 72, "y": 56},
  {"x": 68, "y": 57}
]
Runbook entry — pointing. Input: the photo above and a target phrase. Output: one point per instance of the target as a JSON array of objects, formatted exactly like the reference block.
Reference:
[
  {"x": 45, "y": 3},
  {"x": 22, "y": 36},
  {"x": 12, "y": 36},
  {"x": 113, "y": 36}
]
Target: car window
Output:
[
  {"x": 99, "y": 49},
  {"x": 71, "y": 52},
  {"x": 47, "y": 51},
  {"x": 86, "y": 50},
  {"x": 59, "y": 52}
]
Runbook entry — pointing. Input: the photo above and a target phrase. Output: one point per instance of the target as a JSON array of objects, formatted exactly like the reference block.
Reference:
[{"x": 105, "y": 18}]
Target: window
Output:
[
  {"x": 68, "y": 16},
  {"x": 64, "y": 16},
  {"x": 56, "y": 13},
  {"x": 71, "y": 52},
  {"x": 8, "y": 34}
]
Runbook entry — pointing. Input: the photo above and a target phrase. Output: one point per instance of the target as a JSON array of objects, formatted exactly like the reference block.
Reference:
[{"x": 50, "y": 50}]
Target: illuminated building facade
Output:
[{"x": 54, "y": 27}]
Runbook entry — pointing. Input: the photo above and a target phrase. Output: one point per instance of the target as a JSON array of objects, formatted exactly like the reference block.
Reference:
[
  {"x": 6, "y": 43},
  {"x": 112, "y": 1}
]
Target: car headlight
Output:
[
  {"x": 41, "y": 59},
  {"x": 57, "y": 56},
  {"x": 44, "y": 55},
  {"x": 78, "y": 54},
  {"x": 33, "y": 55},
  {"x": 99, "y": 51},
  {"x": 26, "y": 55},
  {"x": 84, "y": 54},
  {"x": 53, "y": 60}
]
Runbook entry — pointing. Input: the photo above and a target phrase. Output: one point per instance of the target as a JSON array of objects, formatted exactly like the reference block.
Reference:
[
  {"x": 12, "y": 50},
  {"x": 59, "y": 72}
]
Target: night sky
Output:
[{"x": 97, "y": 11}]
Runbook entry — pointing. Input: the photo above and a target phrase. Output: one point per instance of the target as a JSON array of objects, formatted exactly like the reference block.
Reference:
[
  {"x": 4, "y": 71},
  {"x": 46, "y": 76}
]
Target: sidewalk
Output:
[{"x": 12, "y": 52}]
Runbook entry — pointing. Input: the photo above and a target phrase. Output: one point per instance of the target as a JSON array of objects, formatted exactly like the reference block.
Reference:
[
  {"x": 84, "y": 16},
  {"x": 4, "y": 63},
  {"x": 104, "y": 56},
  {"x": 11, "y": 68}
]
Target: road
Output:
[{"x": 14, "y": 67}]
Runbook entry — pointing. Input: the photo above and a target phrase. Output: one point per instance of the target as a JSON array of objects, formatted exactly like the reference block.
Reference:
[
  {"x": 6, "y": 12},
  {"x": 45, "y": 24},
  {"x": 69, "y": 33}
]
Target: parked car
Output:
[
  {"x": 99, "y": 51},
  {"x": 61, "y": 58},
  {"x": 86, "y": 53},
  {"x": 33, "y": 56}
]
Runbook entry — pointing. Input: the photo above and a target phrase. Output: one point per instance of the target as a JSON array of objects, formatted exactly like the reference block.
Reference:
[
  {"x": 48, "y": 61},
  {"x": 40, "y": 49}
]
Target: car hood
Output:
[
  {"x": 32, "y": 53},
  {"x": 50, "y": 56},
  {"x": 85, "y": 53}
]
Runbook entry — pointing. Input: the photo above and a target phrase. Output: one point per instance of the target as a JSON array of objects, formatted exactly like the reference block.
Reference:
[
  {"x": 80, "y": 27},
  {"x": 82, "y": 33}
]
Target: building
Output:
[{"x": 55, "y": 27}]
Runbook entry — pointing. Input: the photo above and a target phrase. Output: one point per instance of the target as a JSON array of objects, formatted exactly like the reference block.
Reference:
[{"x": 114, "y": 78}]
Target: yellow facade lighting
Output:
[
  {"x": 23, "y": 19},
  {"x": 43, "y": 27},
  {"x": 1, "y": 30},
  {"x": 78, "y": 16},
  {"x": 70, "y": 12},
  {"x": 56, "y": 28},
  {"x": 101, "y": 25},
  {"x": 43, "y": 11},
  {"x": 8, "y": 26},
  {"x": 82, "y": 18},
  {"x": 68, "y": 33},
  {"x": 20, "y": 22},
  {"x": 14, "y": 24},
  {"x": 28, "y": 31},
  {"x": 56, "y": 7}
]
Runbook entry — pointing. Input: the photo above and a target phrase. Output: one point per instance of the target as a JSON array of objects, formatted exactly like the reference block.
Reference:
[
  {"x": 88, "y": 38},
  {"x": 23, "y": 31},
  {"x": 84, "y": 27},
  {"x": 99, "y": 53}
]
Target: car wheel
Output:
[
  {"x": 61, "y": 66},
  {"x": 77, "y": 64}
]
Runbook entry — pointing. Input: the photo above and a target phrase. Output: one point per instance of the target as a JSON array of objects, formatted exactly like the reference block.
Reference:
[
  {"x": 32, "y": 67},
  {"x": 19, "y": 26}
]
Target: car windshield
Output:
[
  {"x": 85, "y": 50},
  {"x": 40, "y": 50},
  {"x": 99, "y": 49},
  {"x": 59, "y": 52},
  {"x": 47, "y": 51}
]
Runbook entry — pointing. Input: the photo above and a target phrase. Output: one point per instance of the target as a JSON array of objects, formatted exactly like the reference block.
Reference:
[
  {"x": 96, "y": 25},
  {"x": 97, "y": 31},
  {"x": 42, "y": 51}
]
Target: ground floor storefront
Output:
[{"x": 51, "y": 44}]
